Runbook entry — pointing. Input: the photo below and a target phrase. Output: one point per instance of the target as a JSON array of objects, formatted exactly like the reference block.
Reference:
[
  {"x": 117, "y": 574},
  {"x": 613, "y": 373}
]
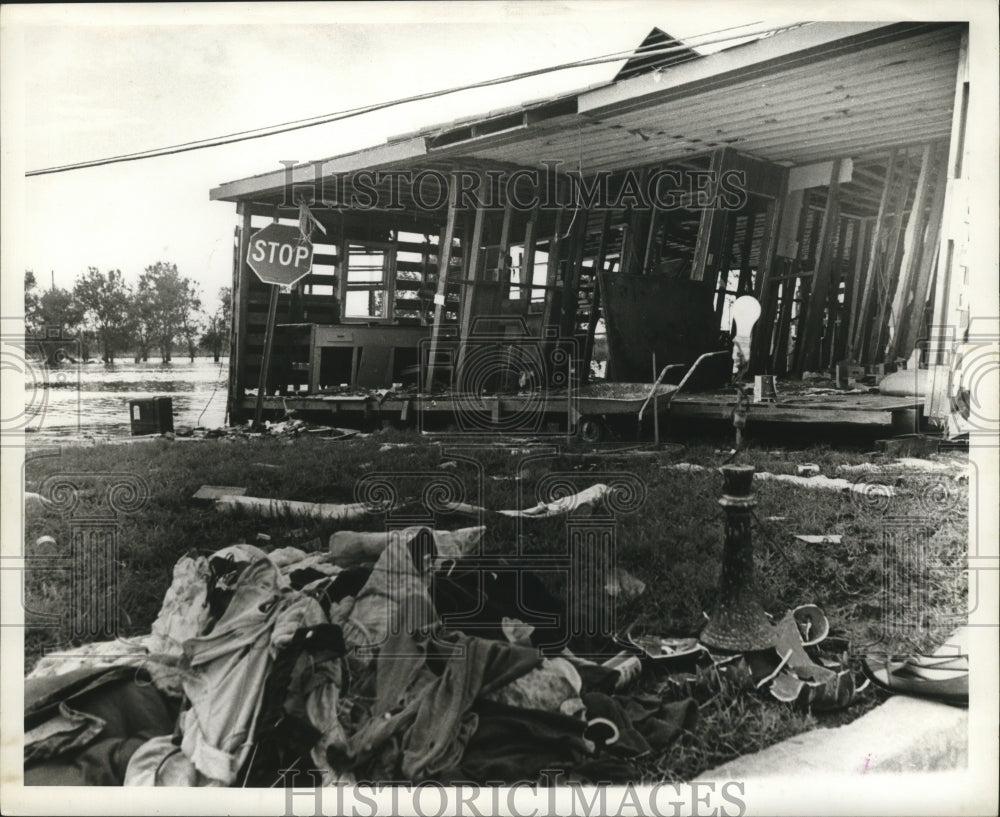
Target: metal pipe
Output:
[{"x": 656, "y": 385}]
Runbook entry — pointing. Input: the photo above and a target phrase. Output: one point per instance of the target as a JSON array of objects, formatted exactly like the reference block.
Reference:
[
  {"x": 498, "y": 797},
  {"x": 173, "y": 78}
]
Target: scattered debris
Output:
[
  {"x": 828, "y": 483},
  {"x": 448, "y": 464},
  {"x": 349, "y": 548},
  {"x": 818, "y": 481},
  {"x": 277, "y": 508},
  {"x": 912, "y": 445},
  {"x": 586, "y": 500},
  {"x": 34, "y": 500},
  {"x": 210, "y": 493},
  {"x": 940, "y": 678},
  {"x": 624, "y": 585},
  {"x": 808, "y": 469}
]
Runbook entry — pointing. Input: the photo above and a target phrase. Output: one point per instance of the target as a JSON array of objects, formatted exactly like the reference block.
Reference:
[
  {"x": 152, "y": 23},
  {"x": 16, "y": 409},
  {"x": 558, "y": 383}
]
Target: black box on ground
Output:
[{"x": 151, "y": 415}]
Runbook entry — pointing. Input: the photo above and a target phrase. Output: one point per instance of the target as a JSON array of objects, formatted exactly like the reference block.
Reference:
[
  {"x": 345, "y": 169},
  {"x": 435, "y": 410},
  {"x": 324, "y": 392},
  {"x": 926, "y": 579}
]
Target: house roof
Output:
[{"x": 803, "y": 95}]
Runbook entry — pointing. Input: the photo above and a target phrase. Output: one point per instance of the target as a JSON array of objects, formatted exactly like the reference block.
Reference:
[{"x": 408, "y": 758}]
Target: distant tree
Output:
[
  {"x": 32, "y": 317},
  {"x": 191, "y": 322},
  {"x": 58, "y": 308},
  {"x": 217, "y": 325},
  {"x": 107, "y": 304},
  {"x": 163, "y": 302}
]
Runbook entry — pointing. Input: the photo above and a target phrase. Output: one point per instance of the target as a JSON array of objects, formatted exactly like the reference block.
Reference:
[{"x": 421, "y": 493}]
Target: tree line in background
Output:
[{"x": 111, "y": 318}]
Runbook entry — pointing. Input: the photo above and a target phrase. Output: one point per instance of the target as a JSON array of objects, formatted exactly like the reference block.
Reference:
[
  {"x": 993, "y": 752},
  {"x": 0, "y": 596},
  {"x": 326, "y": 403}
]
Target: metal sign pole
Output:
[{"x": 265, "y": 364}]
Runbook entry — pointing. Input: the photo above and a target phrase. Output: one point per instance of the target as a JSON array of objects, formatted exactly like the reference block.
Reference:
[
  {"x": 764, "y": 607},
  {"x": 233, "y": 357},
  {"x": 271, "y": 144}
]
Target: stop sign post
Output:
[{"x": 280, "y": 255}]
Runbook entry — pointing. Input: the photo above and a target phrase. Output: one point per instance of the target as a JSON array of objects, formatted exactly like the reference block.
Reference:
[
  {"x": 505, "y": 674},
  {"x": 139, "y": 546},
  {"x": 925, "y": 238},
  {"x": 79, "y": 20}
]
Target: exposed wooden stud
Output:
[
  {"x": 745, "y": 285},
  {"x": 709, "y": 226},
  {"x": 528, "y": 258},
  {"x": 793, "y": 251},
  {"x": 500, "y": 290},
  {"x": 272, "y": 310},
  {"x": 805, "y": 291},
  {"x": 912, "y": 323},
  {"x": 816, "y": 306},
  {"x": 783, "y": 214},
  {"x": 473, "y": 273},
  {"x": 887, "y": 281},
  {"x": 862, "y": 246},
  {"x": 571, "y": 282},
  {"x": 725, "y": 248},
  {"x": 867, "y": 284},
  {"x": 595, "y": 305},
  {"x": 912, "y": 247},
  {"x": 241, "y": 299},
  {"x": 946, "y": 284},
  {"x": 444, "y": 261},
  {"x": 552, "y": 273}
]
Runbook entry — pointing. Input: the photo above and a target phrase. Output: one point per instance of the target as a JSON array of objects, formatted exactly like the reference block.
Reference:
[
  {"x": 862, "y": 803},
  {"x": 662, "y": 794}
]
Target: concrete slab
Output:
[{"x": 902, "y": 735}]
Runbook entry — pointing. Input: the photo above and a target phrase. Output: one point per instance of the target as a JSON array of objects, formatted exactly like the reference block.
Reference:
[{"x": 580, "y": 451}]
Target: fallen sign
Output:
[
  {"x": 820, "y": 539},
  {"x": 588, "y": 498},
  {"x": 323, "y": 511}
]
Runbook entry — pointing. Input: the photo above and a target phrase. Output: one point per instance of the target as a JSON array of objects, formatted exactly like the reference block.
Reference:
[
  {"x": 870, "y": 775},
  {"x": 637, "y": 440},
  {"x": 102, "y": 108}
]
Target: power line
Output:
[{"x": 323, "y": 119}]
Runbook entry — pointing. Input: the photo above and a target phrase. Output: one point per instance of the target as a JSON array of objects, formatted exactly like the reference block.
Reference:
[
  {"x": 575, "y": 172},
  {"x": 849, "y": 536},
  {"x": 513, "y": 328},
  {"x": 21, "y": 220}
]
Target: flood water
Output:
[{"x": 91, "y": 400}]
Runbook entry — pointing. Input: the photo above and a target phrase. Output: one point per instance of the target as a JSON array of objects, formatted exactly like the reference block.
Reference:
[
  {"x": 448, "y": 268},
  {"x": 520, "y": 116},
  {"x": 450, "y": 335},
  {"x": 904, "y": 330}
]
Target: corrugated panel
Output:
[{"x": 895, "y": 93}]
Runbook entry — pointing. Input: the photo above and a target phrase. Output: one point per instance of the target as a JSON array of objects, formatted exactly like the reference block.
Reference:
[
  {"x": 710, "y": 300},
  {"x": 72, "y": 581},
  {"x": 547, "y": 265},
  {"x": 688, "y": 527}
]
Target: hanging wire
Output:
[{"x": 323, "y": 119}]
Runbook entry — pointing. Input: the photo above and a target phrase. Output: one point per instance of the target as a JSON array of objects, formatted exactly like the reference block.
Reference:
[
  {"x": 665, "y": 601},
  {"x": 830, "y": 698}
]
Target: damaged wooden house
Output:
[{"x": 548, "y": 263}]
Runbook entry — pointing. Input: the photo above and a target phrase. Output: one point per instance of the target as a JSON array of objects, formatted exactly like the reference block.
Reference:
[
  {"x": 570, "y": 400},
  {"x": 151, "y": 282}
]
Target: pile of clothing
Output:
[{"x": 418, "y": 666}]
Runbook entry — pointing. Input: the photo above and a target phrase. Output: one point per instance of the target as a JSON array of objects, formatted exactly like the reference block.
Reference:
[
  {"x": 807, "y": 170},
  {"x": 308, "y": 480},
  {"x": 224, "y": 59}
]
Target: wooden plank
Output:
[
  {"x": 946, "y": 289},
  {"x": 859, "y": 323},
  {"x": 528, "y": 258},
  {"x": 500, "y": 293},
  {"x": 444, "y": 260},
  {"x": 912, "y": 247},
  {"x": 552, "y": 271},
  {"x": 473, "y": 271},
  {"x": 571, "y": 281},
  {"x": 265, "y": 364},
  {"x": 805, "y": 289},
  {"x": 818, "y": 296},
  {"x": 709, "y": 225},
  {"x": 817, "y": 175},
  {"x": 887, "y": 281},
  {"x": 595, "y": 304},
  {"x": 913, "y": 321},
  {"x": 241, "y": 289}
]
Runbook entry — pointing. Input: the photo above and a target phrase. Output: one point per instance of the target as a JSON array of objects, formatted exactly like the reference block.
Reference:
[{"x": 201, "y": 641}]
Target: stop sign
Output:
[{"x": 280, "y": 255}]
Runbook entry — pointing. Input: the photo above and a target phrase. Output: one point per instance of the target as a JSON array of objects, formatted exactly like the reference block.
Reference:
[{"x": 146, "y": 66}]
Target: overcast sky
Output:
[
  {"x": 86, "y": 82},
  {"x": 101, "y": 81}
]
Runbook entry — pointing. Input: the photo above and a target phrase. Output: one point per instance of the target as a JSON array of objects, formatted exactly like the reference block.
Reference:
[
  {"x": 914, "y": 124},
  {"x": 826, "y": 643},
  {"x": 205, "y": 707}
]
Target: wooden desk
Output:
[{"x": 373, "y": 349}]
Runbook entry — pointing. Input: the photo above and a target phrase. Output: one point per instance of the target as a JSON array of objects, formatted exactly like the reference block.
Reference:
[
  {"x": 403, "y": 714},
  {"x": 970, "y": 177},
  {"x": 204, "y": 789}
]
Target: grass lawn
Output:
[{"x": 673, "y": 544}]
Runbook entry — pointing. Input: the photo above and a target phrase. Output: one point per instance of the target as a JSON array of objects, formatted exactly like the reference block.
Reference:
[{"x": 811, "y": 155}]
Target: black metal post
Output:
[{"x": 738, "y": 622}]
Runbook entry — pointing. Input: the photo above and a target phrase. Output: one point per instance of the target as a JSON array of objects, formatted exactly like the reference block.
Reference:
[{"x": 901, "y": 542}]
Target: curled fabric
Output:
[
  {"x": 230, "y": 665},
  {"x": 425, "y": 689}
]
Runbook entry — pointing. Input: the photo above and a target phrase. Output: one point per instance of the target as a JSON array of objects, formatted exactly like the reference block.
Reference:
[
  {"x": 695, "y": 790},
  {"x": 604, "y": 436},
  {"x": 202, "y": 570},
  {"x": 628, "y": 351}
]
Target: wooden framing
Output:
[
  {"x": 444, "y": 262},
  {"x": 859, "y": 324},
  {"x": 818, "y": 295}
]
